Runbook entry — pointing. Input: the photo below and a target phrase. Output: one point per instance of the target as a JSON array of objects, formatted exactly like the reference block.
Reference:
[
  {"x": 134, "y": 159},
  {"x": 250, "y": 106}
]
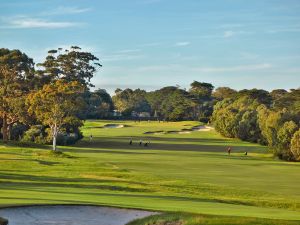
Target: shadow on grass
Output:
[
  {"x": 99, "y": 145},
  {"x": 25, "y": 182},
  {"x": 42, "y": 162},
  {"x": 42, "y": 199}
]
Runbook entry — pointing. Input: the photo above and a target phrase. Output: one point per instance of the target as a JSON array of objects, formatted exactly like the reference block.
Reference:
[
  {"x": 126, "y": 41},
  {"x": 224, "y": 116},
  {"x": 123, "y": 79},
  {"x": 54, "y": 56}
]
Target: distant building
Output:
[
  {"x": 144, "y": 114},
  {"x": 140, "y": 114}
]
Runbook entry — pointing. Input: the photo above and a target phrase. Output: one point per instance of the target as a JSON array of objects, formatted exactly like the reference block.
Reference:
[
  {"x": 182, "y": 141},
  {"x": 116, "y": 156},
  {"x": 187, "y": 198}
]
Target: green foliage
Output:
[
  {"x": 224, "y": 92},
  {"x": 251, "y": 115},
  {"x": 98, "y": 105},
  {"x": 284, "y": 136},
  {"x": 127, "y": 101},
  {"x": 35, "y": 134},
  {"x": 17, "y": 131},
  {"x": 69, "y": 65},
  {"x": 201, "y": 91},
  {"x": 64, "y": 138},
  {"x": 278, "y": 93},
  {"x": 172, "y": 103},
  {"x": 55, "y": 105},
  {"x": 177, "y": 106},
  {"x": 289, "y": 100},
  {"x": 16, "y": 76},
  {"x": 295, "y": 145},
  {"x": 248, "y": 128}
]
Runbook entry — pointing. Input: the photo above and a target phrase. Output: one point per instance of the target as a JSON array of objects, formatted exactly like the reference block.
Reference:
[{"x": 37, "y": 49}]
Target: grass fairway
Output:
[{"x": 188, "y": 172}]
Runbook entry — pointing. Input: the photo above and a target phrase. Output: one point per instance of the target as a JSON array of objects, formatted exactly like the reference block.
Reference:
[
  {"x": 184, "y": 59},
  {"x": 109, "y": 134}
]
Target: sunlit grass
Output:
[{"x": 176, "y": 172}]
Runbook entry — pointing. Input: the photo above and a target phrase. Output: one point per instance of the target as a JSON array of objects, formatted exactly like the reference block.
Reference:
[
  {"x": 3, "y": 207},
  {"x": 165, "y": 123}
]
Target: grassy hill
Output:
[{"x": 188, "y": 171}]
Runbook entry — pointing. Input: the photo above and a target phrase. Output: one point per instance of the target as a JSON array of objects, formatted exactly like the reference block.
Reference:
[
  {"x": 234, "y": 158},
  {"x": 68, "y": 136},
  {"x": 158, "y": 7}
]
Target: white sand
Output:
[
  {"x": 203, "y": 128},
  {"x": 113, "y": 126},
  {"x": 184, "y": 132},
  {"x": 70, "y": 215}
]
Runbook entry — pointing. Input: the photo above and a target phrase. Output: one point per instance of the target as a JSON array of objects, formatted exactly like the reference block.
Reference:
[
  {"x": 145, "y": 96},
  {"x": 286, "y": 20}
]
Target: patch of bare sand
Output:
[{"x": 71, "y": 215}]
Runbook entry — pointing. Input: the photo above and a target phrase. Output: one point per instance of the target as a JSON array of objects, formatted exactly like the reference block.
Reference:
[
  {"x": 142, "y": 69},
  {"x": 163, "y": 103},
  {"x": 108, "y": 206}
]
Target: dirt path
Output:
[{"x": 70, "y": 215}]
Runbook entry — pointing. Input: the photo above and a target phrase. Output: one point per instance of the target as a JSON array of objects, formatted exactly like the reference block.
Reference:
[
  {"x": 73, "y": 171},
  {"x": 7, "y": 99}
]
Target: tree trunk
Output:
[
  {"x": 9, "y": 130},
  {"x": 54, "y": 143},
  {"x": 5, "y": 129},
  {"x": 54, "y": 133}
]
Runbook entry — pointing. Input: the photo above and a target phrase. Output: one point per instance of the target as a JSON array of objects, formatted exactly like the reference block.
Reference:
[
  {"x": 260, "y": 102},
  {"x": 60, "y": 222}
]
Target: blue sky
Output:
[{"x": 155, "y": 43}]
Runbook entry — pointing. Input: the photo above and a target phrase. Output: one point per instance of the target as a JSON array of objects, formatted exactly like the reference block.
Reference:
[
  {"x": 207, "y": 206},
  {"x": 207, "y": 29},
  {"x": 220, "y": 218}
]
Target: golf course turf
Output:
[{"x": 176, "y": 172}]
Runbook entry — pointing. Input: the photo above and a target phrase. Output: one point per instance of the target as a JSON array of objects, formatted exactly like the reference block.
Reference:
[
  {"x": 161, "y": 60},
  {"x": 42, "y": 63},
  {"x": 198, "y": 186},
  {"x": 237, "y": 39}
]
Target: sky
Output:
[{"x": 150, "y": 44}]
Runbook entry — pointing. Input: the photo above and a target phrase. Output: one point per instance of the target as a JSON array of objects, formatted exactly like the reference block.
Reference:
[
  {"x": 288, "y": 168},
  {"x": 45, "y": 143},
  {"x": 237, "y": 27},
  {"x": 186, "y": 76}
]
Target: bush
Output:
[
  {"x": 18, "y": 131},
  {"x": 35, "y": 134},
  {"x": 67, "y": 139},
  {"x": 295, "y": 145}
]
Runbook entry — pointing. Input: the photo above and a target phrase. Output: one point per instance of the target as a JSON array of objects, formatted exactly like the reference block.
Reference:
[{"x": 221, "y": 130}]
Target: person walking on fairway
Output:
[
  {"x": 147, "y": 144},
  {"x": 141, "y": 142},
  {"x": 229, "y": 150},
  {"x": 91, "y": 138},
  {"x": 130, "y": 142}
]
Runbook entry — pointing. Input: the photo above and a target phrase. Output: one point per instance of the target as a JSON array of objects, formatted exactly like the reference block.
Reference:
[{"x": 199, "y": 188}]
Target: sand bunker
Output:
[
  {"x": 182, "y": 131},
  {"x": 71, "y": 215},
  {"x": 114, "y": 126},
  {"x": 202, "y": 128}
]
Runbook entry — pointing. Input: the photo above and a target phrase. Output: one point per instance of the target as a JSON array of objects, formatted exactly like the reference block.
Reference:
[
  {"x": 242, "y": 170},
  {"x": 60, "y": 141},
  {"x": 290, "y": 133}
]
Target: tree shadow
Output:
[
  {"x": 121, "y": 144},
  {"x": 25, "y": 182}
]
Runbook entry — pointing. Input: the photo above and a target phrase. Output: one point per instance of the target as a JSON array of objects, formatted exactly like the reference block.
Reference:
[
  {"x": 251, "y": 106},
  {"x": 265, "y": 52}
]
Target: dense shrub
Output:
[
  {"x": 67, "y": 138},
  {"x": 17, "y": 131},
  {"x": 252, "y": 116},
  {"x": 35, "y": 134},
  {"x": 295, "y": 145}
]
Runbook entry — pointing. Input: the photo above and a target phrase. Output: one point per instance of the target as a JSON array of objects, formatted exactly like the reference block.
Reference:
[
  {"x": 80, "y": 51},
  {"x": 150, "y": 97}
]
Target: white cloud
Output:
[
  {"x": 27, "y": 22},
  {"x": 173, "y": 67},
  {"x": 239, "y": 68},
  {"x": 228, "y": 34},
  {"x": 283, "y": 30},
  {"x": 119, "y": 57},
  {"x": 183, "y": 43},
  {"x": 128, "y": 51},
  {"x": 66, "y": 10}
]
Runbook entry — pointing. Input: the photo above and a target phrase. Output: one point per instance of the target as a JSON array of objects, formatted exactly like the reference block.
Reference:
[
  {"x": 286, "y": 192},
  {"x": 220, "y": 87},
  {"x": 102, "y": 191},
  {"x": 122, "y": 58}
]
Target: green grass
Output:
[
  {"x": 177, "y": 172},
  {"x": 196, "y": 219}
]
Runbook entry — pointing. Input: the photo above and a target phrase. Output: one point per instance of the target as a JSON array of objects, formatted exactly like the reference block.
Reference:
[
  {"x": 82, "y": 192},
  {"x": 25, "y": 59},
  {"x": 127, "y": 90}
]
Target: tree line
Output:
[
  {"x": 47, "y": 102},
  {"x": 44, "y": 102},
  {"x": 269, "y": 118}
]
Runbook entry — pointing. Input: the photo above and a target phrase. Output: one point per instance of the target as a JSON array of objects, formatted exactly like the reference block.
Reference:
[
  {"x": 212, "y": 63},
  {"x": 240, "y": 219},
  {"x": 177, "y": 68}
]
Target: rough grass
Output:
[
  {"x": 176, "y": 172},
  {"x": 196, "y": 219}
]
